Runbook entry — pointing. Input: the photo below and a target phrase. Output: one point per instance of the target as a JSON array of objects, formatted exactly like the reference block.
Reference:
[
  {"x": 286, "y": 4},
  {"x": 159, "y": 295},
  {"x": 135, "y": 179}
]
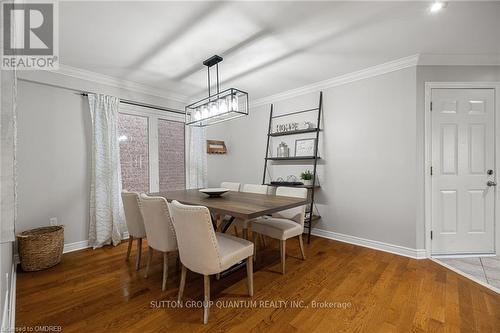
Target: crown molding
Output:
[
  {"x": 366, "y": 73},
  {"x": 489, "y": 59},
  {"x": 119, "y": 83}
]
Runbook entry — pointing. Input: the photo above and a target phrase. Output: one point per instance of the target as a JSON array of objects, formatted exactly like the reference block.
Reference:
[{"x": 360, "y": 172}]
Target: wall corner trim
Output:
[
  {"x": 372, "y": 244},
  {"x": 384, "y": 68}
]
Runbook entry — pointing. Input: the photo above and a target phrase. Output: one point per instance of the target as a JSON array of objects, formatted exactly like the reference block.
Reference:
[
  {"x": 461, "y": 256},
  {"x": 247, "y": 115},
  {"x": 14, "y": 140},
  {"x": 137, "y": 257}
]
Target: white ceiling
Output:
[{"x": 268, "y": 47}]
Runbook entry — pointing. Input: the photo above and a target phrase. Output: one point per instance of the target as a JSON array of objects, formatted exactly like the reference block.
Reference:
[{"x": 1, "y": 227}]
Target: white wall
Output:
[
  {"x": 53, "y": 159},
  {"x": 368, "y": 150},
  {"x": 54, "y": 149}
]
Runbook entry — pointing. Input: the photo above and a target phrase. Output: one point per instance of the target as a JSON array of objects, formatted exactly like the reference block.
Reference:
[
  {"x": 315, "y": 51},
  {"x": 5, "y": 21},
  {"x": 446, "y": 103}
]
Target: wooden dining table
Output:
[{"x": 239, "y": 205}]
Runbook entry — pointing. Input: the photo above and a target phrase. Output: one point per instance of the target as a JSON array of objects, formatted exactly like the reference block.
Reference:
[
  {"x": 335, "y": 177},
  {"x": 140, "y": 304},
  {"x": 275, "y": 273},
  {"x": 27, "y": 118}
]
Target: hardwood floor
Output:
[{"x": 97, "y": 291}]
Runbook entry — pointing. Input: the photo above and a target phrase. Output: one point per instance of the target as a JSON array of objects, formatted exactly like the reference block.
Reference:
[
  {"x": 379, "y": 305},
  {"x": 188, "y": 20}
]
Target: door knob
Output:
[
  {"x": 489, "y": 172},
  {"x": 491, "y": 183}
]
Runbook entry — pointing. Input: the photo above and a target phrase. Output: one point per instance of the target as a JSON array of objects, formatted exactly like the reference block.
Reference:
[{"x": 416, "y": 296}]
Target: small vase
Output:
[{"x": 307, "y": 182}]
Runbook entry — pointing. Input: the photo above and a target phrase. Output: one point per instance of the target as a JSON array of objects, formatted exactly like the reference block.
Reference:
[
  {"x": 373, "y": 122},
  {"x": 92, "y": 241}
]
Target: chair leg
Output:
[
  {"x": 206, "y": 303},
  {"x": 301, "y": 244},
  {"x": 245, "y": 233},
  {"x": 139, "y": 252},
  {"x": 150, "y": 256},
  {"x": 250, "y": 275},
  {"x": 130, "y": 241},
  {"x": 283, "y": 255},
  {"x": 255, "y": 239},
  {"x": 165, "y": 271},
  {"x": 236, "y": 231},
  {"x": 182, "y": 284}
]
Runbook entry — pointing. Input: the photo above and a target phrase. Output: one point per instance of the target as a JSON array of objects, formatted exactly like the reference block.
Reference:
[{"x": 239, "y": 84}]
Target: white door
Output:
[{"x": 463, "y": 171}]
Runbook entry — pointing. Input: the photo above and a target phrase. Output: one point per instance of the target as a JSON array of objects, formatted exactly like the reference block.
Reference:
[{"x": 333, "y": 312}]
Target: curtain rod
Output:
[
  {"x": 150, "y": 106},
  {"x": 79, "y": 92}
]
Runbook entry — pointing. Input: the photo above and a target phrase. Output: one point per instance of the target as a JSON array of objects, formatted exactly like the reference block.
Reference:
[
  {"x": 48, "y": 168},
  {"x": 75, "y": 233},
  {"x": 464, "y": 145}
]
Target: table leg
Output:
[
  {"x": 228, "y": 224},
  {"x": 219, "y": 221}
]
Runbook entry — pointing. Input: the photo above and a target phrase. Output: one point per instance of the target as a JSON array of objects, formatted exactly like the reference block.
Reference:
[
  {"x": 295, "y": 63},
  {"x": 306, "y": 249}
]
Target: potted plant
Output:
[{"x": 307, "y": 177}]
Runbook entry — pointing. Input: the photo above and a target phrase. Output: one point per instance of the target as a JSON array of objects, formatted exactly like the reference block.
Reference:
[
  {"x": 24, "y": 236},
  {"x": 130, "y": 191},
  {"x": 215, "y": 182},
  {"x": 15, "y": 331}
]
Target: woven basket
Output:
[{"x": 41, "y": 248}]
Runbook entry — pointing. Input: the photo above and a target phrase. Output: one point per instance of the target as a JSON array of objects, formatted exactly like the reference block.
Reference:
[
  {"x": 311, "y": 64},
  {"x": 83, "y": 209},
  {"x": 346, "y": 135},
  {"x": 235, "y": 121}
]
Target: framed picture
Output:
[{"x": 305, "y": 147}]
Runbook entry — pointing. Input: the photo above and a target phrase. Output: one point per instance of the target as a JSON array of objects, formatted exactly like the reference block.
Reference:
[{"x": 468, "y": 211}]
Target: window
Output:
[
  {"x": 134, "y": 152},
  {"x": 171, "y": 155},
  {"x": 152, "y": 149}
]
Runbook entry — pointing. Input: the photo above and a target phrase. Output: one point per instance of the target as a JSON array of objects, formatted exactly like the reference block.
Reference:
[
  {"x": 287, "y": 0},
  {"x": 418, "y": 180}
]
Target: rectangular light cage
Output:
[{"x": 228, "y": 104}]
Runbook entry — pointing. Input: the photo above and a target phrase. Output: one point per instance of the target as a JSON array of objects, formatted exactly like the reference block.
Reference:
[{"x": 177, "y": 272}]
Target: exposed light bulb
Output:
[
  {"x": 214, "y": 110},
  {"x": 234, "y": 107},
  {"x": 197, "y": 114},
  {"x": 204, "y": 112},
  {"x": 437, "y": 6},
  {"x": 229, "y": 103},
  {"x": 222, "y": 105}
]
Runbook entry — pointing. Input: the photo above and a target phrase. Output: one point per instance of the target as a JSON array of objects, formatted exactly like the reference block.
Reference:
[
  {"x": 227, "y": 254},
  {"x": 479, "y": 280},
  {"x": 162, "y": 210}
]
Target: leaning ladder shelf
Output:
[{"x": 310, "y": 217}]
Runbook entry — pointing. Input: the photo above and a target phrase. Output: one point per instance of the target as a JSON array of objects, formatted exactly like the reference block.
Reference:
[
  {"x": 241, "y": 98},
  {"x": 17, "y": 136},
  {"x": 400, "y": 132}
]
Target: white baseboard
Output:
[
  {"x": 70, "y": 247},
  {"x": 470, "y": 277},
  {"x": 76, "y": 246},
  {"x": 458, "y": 256},
  {"x": 9, "y": 313},
  {"x": 372, "y": 244}
]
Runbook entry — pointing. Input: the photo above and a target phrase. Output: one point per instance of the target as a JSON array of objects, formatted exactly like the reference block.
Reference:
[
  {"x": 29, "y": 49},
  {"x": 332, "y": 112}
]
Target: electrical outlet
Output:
[{"x": 53, "y": 221}]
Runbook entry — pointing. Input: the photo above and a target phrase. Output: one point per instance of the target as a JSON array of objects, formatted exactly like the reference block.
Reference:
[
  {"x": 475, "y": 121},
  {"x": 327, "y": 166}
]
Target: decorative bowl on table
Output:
[{"x": 214, "y": 192}]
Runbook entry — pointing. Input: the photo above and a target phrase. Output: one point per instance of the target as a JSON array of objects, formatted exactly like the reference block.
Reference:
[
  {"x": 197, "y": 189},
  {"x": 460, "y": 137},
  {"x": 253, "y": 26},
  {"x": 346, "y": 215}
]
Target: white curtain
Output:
[
  {"x": 196, "y": 162},
  {"x": 107, "y": 220}
]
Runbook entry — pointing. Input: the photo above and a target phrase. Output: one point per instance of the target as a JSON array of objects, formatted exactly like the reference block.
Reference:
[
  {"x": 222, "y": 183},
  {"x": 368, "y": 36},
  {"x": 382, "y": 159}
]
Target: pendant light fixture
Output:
[{"x": 223, "y": 105}]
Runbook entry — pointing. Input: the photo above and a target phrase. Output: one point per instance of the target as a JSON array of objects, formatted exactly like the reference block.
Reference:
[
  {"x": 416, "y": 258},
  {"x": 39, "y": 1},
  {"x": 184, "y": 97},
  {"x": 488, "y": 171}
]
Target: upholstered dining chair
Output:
[
  {"x": 230, "y": 186},
  {"x": 159, "y": 230},
  {"x": 248, "y": 188},
  {"x": 285, "y": 224},
  {"x": 135, "y": 224},
  {"x": 206, "y": 252}
]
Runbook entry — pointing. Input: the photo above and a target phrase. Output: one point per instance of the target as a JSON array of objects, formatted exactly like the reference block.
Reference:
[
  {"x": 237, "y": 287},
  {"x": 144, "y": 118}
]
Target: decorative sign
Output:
[
  {"x": 304, "y": 147},
  {"x": 216, "y": 147},
  {"x": 290, "y": 127},
  {"x": 287, "y": 127}
]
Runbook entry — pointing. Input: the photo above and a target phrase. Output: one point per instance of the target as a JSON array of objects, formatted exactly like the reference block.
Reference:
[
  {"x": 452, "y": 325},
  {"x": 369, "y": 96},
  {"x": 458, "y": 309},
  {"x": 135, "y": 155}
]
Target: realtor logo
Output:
[{"x": 30, "y": 38}]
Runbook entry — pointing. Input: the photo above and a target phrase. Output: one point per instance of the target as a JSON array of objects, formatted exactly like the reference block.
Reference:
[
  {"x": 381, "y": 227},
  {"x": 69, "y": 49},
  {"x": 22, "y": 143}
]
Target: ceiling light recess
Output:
[
  {"x": 224, "y": 105},
  {"x": 437, "y": 6}
]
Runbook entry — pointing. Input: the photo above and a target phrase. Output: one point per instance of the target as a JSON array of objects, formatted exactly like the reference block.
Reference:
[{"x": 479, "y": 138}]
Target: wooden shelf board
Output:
[
  {"x": 299, "y": 158},
  {"x": 301, "y": 186},
  {"x": 310, "y": 130}
]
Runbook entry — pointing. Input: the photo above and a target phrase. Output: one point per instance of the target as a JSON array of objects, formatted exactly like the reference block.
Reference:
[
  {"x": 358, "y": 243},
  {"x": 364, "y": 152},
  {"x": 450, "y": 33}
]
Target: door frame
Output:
[{"x": 428, "y": 154}]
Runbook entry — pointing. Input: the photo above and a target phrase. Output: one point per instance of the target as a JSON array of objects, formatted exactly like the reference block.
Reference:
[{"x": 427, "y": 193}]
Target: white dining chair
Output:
[
  {"x": 283, "y": 225},
  {"x": 135, "y": 224},
  {"x": 231, "y": 186},
  {"x": 248, "y": 188},
  {"x": 159, "y": 230},
  {"x": 206, "y": 252},
  {"x": 254, "y": 188}
]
